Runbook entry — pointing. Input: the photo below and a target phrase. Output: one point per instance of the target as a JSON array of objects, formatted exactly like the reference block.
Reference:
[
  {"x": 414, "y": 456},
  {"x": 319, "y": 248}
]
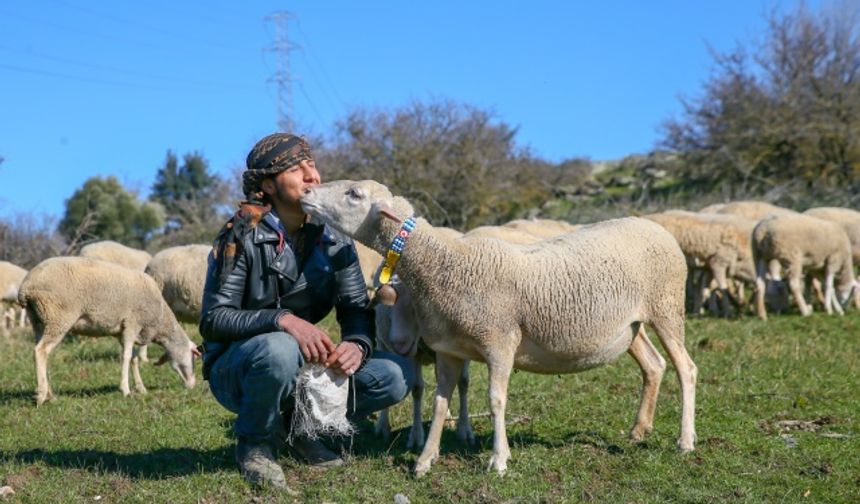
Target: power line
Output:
[
  {"x": 283, "y": 78},
  {"x": 108, "y": 68}
]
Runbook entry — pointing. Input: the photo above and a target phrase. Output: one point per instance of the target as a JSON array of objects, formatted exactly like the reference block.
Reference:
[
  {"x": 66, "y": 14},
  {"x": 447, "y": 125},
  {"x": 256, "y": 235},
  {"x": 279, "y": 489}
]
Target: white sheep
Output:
[
  {"x": 180, "y": 273},
  {"x": 97, "y": 298},
  {"x": 116, "y": 253},
  {"x": 399, "y": 329},
  {"x": 850, "y": 222},
  {"x": 562, "y": 305},
  {"x": 753, "y": 210},
  {"x": 10, "y": 280},
  {"x": 800, "y": 242},
  {"x": 719, "y": 244}
]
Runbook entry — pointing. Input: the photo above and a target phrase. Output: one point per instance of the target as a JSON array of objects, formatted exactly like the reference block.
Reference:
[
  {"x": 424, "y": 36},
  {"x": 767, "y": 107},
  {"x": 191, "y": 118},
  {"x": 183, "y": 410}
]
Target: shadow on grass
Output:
[
  {"x": 28, "y": 396},
  {"x": 156, "y": 465}
]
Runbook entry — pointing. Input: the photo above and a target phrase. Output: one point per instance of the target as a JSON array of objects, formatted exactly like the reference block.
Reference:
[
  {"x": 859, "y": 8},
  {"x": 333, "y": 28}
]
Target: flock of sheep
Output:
[{"x": 539, "y": 295}]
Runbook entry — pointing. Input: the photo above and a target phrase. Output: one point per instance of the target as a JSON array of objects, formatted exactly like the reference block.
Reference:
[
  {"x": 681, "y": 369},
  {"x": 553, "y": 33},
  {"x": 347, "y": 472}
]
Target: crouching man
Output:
[{"x": 272, "y": 275}]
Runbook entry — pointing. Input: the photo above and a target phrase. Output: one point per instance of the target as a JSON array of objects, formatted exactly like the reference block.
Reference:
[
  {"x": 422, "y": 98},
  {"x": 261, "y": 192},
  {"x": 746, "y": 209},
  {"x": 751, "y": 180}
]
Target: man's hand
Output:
[
  {"x": 346, "y": 358},
  {"x": 313, "y": 341}
]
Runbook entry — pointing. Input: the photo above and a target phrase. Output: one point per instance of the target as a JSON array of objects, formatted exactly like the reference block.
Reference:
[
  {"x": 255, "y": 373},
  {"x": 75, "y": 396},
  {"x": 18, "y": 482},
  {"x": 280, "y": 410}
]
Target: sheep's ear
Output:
[{"x": 385, "y": 210}]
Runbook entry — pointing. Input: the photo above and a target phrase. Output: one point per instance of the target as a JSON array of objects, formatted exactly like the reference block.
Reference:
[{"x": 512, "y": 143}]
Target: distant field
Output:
[{"x": 777, "y": 419}]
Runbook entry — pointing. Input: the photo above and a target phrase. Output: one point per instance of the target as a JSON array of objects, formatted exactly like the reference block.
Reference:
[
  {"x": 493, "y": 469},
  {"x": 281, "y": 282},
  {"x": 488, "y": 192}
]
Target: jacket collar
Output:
[{"x": 285, "y": 262}]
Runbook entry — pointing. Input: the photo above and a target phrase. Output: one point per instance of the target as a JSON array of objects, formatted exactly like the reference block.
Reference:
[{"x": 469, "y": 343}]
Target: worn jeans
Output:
[{"x": 255, "y": 378}]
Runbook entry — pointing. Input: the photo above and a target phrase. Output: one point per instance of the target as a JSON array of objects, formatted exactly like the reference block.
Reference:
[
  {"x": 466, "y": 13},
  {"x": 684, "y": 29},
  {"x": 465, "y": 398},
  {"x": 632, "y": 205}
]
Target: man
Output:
[{"x": 273, "y": 275}]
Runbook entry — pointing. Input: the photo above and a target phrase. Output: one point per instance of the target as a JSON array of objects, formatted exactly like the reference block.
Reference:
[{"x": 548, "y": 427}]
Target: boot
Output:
[
  {"x": 315, "y": 453},
  {"x": 258, "y": 466}
]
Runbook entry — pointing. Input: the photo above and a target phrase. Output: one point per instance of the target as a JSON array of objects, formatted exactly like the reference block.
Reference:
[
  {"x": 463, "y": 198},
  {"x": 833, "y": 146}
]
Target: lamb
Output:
[
  {"x": 180, "y": 273},
  {"x": 117, "y": 253},
  {"x": 97, "y": 298},
  {"x": 719, "y": 244},
  {"x": 10, "y": 279},
  {"x": 797, "y": 242},
  {"x": 562, "y": 305}
]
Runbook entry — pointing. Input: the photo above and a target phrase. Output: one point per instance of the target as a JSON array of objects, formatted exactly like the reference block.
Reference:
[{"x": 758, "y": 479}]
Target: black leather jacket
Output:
[{"x": 266, "y": 283}]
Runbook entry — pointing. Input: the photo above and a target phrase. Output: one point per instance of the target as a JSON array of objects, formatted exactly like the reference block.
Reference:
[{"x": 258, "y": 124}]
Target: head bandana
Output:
[{"x": 270, "y": 156}]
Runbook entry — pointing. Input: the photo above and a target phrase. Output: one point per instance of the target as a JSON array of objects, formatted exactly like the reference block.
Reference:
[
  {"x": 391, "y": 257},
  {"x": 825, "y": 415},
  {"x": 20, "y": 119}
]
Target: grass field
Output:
[{"x": 777, "y": 420}]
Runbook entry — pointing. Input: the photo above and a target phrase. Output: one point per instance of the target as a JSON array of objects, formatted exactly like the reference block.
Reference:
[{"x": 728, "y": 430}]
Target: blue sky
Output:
[{"x": 97, "y": 88}]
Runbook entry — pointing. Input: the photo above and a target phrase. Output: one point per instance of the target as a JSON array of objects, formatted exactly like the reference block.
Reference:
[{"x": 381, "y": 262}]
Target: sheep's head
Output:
[
  {"x": 181, "y": 352},
  {"x": 404, "y": 323},
  {"x": 356, "y": 208}
]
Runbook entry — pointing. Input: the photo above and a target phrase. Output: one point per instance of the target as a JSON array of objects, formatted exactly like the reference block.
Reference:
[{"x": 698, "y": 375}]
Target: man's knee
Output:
[
  {"x": 394, "y": 373},
  {"x": 278, "y": 351}
]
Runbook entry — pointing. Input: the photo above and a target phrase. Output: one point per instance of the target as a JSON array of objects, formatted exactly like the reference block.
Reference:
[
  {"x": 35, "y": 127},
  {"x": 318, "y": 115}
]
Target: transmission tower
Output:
[{"x": 282, "y": 78}]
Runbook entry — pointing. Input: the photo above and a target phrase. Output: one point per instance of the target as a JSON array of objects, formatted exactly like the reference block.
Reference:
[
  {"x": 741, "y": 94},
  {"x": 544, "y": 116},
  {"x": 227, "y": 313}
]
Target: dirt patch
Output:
[{"x": 20, "y": 480}]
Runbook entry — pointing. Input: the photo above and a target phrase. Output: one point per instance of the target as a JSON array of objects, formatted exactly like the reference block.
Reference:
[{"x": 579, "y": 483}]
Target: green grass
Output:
[{"x": 567, "y": 433}]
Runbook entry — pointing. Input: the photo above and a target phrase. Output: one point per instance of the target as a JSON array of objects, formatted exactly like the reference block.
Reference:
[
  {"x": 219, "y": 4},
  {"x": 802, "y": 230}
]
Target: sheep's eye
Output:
[{"x": 354, "y": 193}]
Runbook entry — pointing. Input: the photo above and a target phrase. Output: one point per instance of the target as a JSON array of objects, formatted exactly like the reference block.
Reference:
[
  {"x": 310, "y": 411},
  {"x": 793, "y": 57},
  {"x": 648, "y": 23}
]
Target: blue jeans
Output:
[{"x": 255, "y": 379}]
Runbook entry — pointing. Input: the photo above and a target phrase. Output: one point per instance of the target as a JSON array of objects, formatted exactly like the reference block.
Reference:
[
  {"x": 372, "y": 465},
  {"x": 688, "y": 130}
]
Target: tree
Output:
[
  {"x": 102, "y": 209},
  {"x": 194, "y": 199},
  {"x": 782, "y": 117},
  {"x": 26, "y": 240},
  {"x": 458, "y": 165}
]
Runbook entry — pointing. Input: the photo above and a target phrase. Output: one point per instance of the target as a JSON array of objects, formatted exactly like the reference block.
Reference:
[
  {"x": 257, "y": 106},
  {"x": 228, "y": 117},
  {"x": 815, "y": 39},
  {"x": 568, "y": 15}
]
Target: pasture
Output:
[{"x": 777, "y": 421}]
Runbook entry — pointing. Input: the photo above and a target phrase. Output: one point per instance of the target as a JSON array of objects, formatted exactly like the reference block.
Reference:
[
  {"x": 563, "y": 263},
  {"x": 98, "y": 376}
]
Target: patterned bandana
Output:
[{"x": 270, "y": 156}]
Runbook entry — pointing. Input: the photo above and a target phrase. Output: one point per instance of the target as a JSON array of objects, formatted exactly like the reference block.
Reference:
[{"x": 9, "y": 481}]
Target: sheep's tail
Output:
[{"x": 30, "y": 305}]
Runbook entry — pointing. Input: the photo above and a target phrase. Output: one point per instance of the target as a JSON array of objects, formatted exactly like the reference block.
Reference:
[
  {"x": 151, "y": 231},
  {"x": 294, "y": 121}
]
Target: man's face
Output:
[{"x": 288, "y": 186}]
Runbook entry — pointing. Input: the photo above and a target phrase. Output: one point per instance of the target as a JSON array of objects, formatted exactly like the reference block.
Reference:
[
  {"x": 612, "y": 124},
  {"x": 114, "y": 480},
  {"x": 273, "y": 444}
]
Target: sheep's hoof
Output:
[
  {"x": 499, "y": 463},
  {"x": 421, "y": 468},
  {"x": 639, "y": 433},
  {"x": 140, "y": 390},
  {"x": 685, "y": 447}
]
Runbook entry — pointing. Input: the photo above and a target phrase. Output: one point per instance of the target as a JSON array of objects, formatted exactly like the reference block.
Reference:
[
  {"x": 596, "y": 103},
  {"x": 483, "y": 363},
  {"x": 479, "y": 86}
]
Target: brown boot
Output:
[{"x": 258, "y": 466}]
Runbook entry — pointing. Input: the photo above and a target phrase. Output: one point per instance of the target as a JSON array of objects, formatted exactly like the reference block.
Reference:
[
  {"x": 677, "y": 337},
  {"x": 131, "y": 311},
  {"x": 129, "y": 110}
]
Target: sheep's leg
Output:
[
  {"x": 129, "y": 336},
  {"x": 719, "y": 272},
  {"x": 135, "y": 369},
  {"x": 143, "y": 353},
  {"x": 820, "y": 295},
  {"x": 671, "y": 334},
  {"x": 448, "y": 368},
  {"x": 795, "y": 284},
  {"x": 741, "y": 293},
  {"x": 760, "y": 288},
  {"x": 653, "y": 366},
  {"x": 464, "y": 425},
  {"x": 416, "y": 433},
  {"x": 47, "y": 338},
  {"x": 383, "y": 425},
  {"x": 830, "y": 298},
  {"x": 22, "y": 318},
  {"x": 500, "y": 366}
]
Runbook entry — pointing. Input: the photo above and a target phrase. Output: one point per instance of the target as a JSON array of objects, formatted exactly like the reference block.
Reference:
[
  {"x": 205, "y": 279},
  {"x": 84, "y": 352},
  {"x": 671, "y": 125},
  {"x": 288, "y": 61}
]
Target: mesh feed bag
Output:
[{"x": 321, "y": 403}]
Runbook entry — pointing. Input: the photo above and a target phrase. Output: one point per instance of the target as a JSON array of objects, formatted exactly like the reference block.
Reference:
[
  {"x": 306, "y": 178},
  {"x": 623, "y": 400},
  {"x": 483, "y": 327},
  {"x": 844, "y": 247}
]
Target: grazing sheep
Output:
[
  {"x": 719, "y": 244},
  {"x": 116, "y": 253},
  {"x": 800, "y": 242},
  {"x": 850, "y": 222},
  {"x": 10, "y": 280},
  {"x": 97, "y": 298},
  {"x": 753, "y": 210},
  {"x": 180, "y": 273},
  {"x": 562, "y": 305}
]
